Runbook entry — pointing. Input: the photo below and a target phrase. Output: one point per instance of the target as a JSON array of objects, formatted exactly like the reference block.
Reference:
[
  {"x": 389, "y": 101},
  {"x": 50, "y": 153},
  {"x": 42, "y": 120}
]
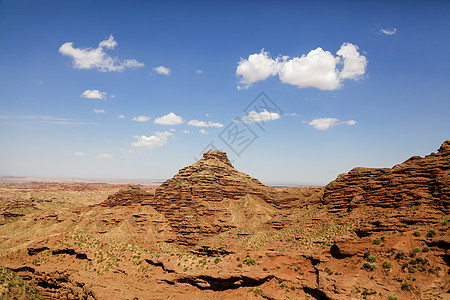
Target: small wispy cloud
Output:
[
  {"x": 199, "y": 72},
  {"x": 79, "y": 154},
  {"x": 203, "y": 131},
  {"x": 93, "y": 94},
  {"x": 41, "y": 120},
  {"x": 141, "y": 119},
  {"x": 388, "y": 31},
  {"x": 99, "y": 111},
  {"x": 162, "y": 70},
  {"x": 156, "y": 140},
  {"x": 104, "y": 156},
  {"x": 121, "y": 116},
  {"x": 169, "y": 119},
  {"x": 325, "y": 123},
  {"x": 198, "y": 123},
  {"x": 262, "y": 116}
]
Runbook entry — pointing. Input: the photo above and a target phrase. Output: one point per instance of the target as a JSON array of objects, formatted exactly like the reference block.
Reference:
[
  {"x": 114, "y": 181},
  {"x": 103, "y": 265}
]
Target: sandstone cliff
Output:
[{"x": 416, "y": 181}]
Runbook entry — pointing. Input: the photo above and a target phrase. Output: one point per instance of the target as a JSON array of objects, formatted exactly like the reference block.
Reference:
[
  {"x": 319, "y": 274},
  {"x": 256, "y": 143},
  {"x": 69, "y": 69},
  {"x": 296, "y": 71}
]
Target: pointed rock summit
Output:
[{"x": 203, "y": 199}]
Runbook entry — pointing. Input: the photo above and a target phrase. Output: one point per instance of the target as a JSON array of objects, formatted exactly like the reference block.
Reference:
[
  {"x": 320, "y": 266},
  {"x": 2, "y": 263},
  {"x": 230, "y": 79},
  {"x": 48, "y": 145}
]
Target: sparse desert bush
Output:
[
  {"x": 368, "y": 266},
  {"x": 372, "y": 258},
  {"x": 249, "y": 261},
  {"x": 376, "y": 241},
  {"x": 399, "y": 255},
  {"x": 393, "y": 298},
  {"x": 412, "y": 269},
  {"x": 387, "y": 265},
  {"x": 265, "y": 269},
  {"x": 416, "y": 233},
  {"x": 425, "y": 249},
  {"x": 240, "y": 265},
  {"x": 217, "y": 260},
  {"x": 257, "y": 291},
  {"x": 431, "y": 233},
  {"x": 405, "y": 286}
]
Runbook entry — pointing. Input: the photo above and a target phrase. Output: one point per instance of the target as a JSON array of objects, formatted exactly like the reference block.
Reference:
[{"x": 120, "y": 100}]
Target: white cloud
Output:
[
  {"x": 291, "y": 114},
  {"x": 157, "y": 140},
  {"x": 96, "y": 58},
  {"x": 162, "y": 70},
  {"x": 79, "y": 154},
  {"x": 99, "y": 111},
  {"x": 199, "y": 72},
  {"x": 389, "y": 31},
  {"x": 172, "y": 130},
  {"x": 104, "y": 156},
  {"x": 203, "y": 131},
  {"x": 350, "y": 122},
  {"x": 354, "y": 63},
  {"x": 258, "y": 66},
  {"x": 93, "y": 94},
  {"x": 325, "y": 123},
  {"x": 198, "y": 123},
  {"x": 121, "y": 116},
  {"x": 186, "y": 131},
  {"x": 319, "y": 68},
  {"x": 263, "y": 116},
  {"x": 169, "y": 119},
  {"x": 141, "y": 119}
]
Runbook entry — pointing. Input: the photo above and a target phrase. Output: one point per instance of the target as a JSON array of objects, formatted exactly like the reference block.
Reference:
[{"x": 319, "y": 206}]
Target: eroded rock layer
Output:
[{"x": 416, "y": 181}]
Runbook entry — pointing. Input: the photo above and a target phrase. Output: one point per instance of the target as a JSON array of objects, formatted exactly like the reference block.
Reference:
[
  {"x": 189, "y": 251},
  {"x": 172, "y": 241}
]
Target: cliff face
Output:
[{"x": 416, "y": 181}]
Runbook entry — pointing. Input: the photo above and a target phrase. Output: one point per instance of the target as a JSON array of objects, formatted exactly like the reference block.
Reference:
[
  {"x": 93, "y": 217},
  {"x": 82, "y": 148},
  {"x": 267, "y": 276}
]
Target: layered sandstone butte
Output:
[
  {"x": 210, "y": 196},
  {"x": 132, "y": 195},
  {"x": 416, "y": 181}
]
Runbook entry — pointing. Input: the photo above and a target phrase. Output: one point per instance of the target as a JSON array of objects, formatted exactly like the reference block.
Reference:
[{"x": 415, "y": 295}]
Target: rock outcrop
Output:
[
  {"x": 211, "y": 196},
  {"x": 416, "y": 181},
  {"x": 132, "y": 195}
]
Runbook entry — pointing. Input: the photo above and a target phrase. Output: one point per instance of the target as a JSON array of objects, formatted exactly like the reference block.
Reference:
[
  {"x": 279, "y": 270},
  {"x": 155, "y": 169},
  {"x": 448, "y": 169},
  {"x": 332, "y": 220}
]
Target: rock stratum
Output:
[
  {"x": 214, "y": 232},
  {"x": 423, "y": 180}
]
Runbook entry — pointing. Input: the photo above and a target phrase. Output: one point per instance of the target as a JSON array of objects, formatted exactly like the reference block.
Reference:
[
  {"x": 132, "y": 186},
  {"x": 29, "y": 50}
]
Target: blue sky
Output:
[{"x": 114, "y": 89}]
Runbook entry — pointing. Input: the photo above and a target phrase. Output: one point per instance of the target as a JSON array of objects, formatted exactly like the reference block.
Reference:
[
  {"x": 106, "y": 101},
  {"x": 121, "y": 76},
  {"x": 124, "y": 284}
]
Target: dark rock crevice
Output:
[
  {"x": 204, "y": 282},
  {"x": 158, "y": 264}
]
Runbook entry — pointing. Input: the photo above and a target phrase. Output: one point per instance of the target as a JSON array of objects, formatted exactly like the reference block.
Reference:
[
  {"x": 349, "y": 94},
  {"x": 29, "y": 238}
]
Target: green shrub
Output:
[
  {"x": 365, "y": 292},
  {"x": 412, "y": 269},
  {"x": 387, "y": 265},
  {"x": 278, "y": 267},
  {"x": 405, "y": 286},
  {"x": 372, "y": 258},
  {"x": 238, "y": 258},
  {"x": 425, "y": 249},
  {"x": 368, "y": 266},
  {"x": 376, "y": 241},
  {"x": 283, "y": 285},
  {"x": 240, "y": 265},
  {"x": 416, "y": 250},
  {"x": 416, "y": 233},
  {"x": 217, "y": 260},
  {"x": 431, "y": 233},
  {"x": 393, "y": 298},
  {"x": 265, "y": 269},
  {"x": 257, "y": 291},
  {"x": 399, "y": 255},
  {"x": 249, "y": 261}
]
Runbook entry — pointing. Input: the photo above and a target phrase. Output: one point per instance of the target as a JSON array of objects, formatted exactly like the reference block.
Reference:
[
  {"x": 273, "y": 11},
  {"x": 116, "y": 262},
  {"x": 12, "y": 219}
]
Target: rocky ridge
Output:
[{"x": 416, "y": 181}]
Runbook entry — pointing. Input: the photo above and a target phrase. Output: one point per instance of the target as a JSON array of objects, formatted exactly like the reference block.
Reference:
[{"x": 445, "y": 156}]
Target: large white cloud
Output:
[
  {"x": 262, "y": 116},
  {"x": 198, "y": 123},
  {"x": 157, "y": 140},
  {"x": 93, "y": 94},
  {"x": 96, "y": 58},
  {"x": 162, "y": 70},
  {"x": 256, "y": 67},
  {"x": 169, "y": 119},
  {"x": 325, "y": 123},
  {"x": 141, "y": 119},
  {"x": 319, "y": 68}
]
